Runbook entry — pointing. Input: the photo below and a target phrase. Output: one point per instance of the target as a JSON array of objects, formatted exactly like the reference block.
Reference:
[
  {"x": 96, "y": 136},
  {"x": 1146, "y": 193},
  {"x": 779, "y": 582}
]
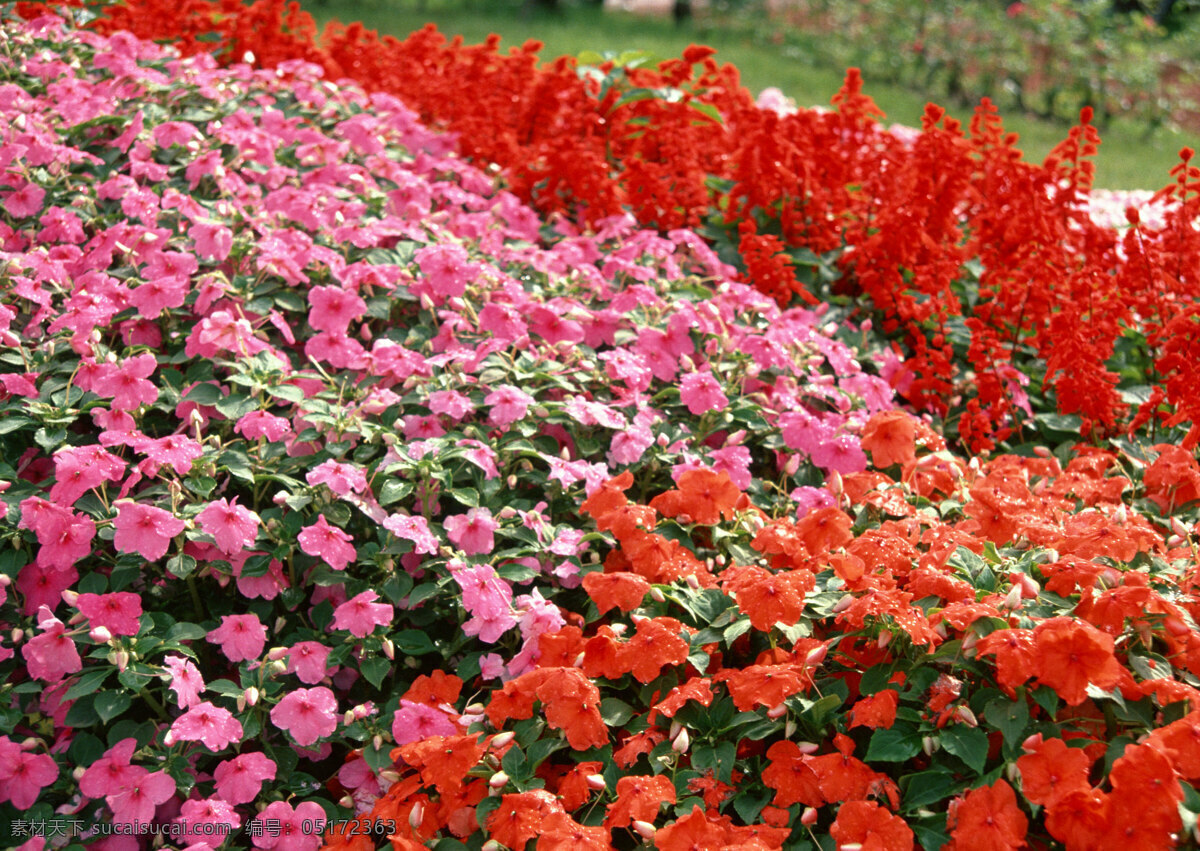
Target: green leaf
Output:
[
  {"x": 394, "y": 490},
  {"x": 970, "y": 744},
  {"x": 413, "y": 642},
  {"x": 614, "y": 712},
  {"x": 897, "y": 744},
  {"x": 1010, "y": 717},
  {"x": 204, "y": 394},
  {"x": 181, "y": 566},
  {"x": 89, "y": 683},
  {"x": 927, "y": 787},
  {"x": 110, "y": 704},
  {"x": 375, "y": 669}
]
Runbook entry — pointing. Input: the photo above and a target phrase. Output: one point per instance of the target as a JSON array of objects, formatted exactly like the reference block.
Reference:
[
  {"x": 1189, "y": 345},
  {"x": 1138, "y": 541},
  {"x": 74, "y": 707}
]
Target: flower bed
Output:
[{"x": 349, "y": 499}]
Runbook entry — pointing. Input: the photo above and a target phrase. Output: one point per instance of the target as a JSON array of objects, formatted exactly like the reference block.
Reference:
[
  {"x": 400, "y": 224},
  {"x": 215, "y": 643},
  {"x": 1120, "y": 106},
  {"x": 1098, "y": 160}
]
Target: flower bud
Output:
[
  {"x": 389, "y": 649},
  {"x": 501, "y": 740},
  {"x": 846, "y": 602},
  {"x": 251, "y": 695},
  {"x": 100, "y": 634},
  {"x": 389, "y": 775},
  {"x": 777, "y": 712},
  {"x": 511, "y": 481},
  {"x": 808, "y": 748},
  {"x": 595, "y": 782},
  {"x": 491, "y": 845},
  {"x": 929, "y": 745},
  {"x": 71, "y": 598},
  {"x": 884, "y": 639},
  {"x": 169, "y": 738},
  {"x": 789, "y": 728},
  {"x": 120, "y": 658},
  {"x": 644, "y": 829},
  {"x": 809, "y": 817},
  {"x": 416, "y": 815},
  {"x": 693, "y": 581},
  {"x": 966, "y": 716},
  {"x": 346, "y": 801},
  {"x": 681, "y": 743},
  {"x": 498, "y": 780},
  {"x": 16, "y": 635},
  {"x": 1012, "y": 600},
  {"x": 377, "y": 742},
  {"x": 657, "y": 595},
  {"x": 817, "y": 655}
]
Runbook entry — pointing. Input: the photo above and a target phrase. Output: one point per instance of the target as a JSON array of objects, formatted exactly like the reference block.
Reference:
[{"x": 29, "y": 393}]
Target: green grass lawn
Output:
[{"x": 1129, "y": 157}]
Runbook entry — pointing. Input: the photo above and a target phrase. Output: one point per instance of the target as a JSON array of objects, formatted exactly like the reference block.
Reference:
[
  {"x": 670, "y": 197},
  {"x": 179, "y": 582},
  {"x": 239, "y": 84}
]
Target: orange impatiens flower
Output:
[
  {"x": 1145, "y": 783},
  {"x": 573, "y": 787},
  {"x": 1080, "y": 819},
  {"x": 1050, "y": 770},
  {"x": 1180, "y": 740},
  {"x": 698, "y": 689},
  {"x": 701, "y": 495},
  {"x": 655, "y": 646},
  {"x": 570, "y": 701},
  {"x": 891, "y": 438},
  {"x": 443, "y": 761},
  {"x": 792, "y": 778},
  {"x": 1072, "y": 654},
  {"x": 764, "y": 685},
  {"x": 609, "y": 497},
  {"x": 639, "y": 799},
  {"x": 876, "y": 711},
  {"x": 560, "y": 832},
  {"x": 824, "y": 529},
  {"x": 521, "y": 817},
  {"x": 768, "y": 598},
  {"x": 1016, "y": 655},
  {"x": 871, "y": 827},
  {"x": 987, "y": 819},
  {"x": 621, "y": 590},
  {"x": 844, "y": 777}
]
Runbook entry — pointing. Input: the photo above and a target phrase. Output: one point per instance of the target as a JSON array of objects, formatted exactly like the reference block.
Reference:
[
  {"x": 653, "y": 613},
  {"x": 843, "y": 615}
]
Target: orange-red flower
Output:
[
  {"x": 791, "y": 776},
  {"x": 443, "y": 761},
  {"x": 521, "y": 817},
  {"x": 655, "y": 646},
  {"x": 987, "y": 819},
  {"x": 639, "y": 799},
  {"x": 870, "y": 826},
  {"x": 769, "y": 598},
  {"x": 876, "y": 711},
  {"x": 621, "y": 590},
  {"x": 1052, "y": 770},
  {"x": 702, "y": 495},
  {"x": 1072, "y": 654},
  {"x": 891, "y": 438},
  {"x": 764, "y": 685},
  {"x": 697, "y": 689},
  {"x": 560, "y": 832}
]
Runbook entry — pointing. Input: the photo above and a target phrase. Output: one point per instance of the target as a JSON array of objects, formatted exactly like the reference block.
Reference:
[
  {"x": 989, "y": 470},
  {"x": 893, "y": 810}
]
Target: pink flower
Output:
[
  {"x": 155, "y": 295},
  {"x": 177, "y": 450},
  {"x": 260, "y": 424},
  {"x": 291, "y": 834},
  {"x": 701, "y": 392},
  {"x": 241, "y": 637},
  {"x": 361, "y": 614},
  {"x": 51, "y": 655},
  {"x": 127, "y": 385},
  {"x": 23, "y": 774},
  {"x": 472, "y": 532},
  {"x": 112, "y": 771},
  {"x": 306, "y": 714},
  {"x": 413, "y": 528},
  {"x": 508, "y": 405},
  {"x": 144, "y": 529},
  {"x": 118, "y": 612},
  {"x": 308, "y": 661},
  {"x": 213, "y": 242},
  {"x": 488, "y": 599},
  {"x": 239, "y": 780},
  {"x": 415, "y": 721},
  {"x": 328, "y": 543},
  {"x": 185, "y": 681},
  {"x": 79, "y": 469},
  {"x": 341, "y": 478},
  {"x": 482, "y": 456},
  {"x": 24, "y": 202},
  {"x": 195, "y": 814},
  {"x": 232, "y": 526},
  {"x": 450, "y": 403},
  {"x": 446, "y": 270},
  {"x": 137, "y": 802},
  {"x": 333, "y": 309},
  {"x": 212, "y": 726}
]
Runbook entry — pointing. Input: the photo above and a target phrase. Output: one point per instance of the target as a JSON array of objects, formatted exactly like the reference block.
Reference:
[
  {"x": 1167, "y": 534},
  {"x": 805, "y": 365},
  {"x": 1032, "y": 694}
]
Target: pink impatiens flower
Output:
[
  {"x": 144, "y": 529},
  {"x": 333, "y": 309},
  {"x": 51, "y": 655},
  {"x": 260, "y": 424},
  {"x": 25, "y": 201},
  {"x": 307, "y": 660},
  {"x": 185, "y": 681},
  {"x": 239, "y": 780},
  {"x": 136, "y": 803},
  {"x": 24, "y": 774},
  {"x": 342, "y": 479},
  {"x": 212, "y": 726},
  {"x": 328, "y": 543},
  {"x": 415, "y": 721},
  {"x": 508, "y": 405},
  {"x": 307, "y": 714},
  {"x": 197, "y": 815},
  {"x": 232, "y": 526},
  {"x": 472, "y": 532},
  {"x": 701, "y": 392},
  {"x": 111, "y": 771},
  {"x": 361, "y": 614},
  {"x": 117, "y": 612},
  {"x": 241, "y": 637},
  {"x": 128, "y": 386},
  {"x": 291, "y": 829}
]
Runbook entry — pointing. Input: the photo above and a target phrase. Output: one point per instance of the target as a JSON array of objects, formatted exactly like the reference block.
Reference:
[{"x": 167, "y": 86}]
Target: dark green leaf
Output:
[
  {"x": 110, "y": 704},
  {"x": 970, "y": 744},
  {"x": 897, "y": 744},
  {"x": 1010, "y": 717},
  {"x": 375, "y": 669}
]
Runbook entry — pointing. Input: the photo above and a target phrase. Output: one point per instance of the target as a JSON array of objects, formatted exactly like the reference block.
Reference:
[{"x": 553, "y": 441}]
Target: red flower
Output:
[
  {"x": 560, "y": 832},
  {"x": 1052, "y": 770},
  {"x": 621, "y": 590},
  {"x": 876, "y": 711},
  {"x": 1073, "y": 654},
  {"x": 987, "y": 819},
  {"x": 791, "y": 776},
  {"x": 769, "y": 598},
  {"x": 1016, "y": 656},
  {"x": 443, "y": 761},
  {"x": 764, "y": 685},
  {"x": 639, "y": 799},
  {"x": 573, "y": 789},
  {"x": 520, "y": 817},
  {"x": 655, "y": 646},
  {"x": 870, "y": 826},
  {"x": 693, "y": 831},
  {"x": 702, "y": 495},
  {"x": 697, "y": 689},
  {"x": 891, "y": 438}
]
